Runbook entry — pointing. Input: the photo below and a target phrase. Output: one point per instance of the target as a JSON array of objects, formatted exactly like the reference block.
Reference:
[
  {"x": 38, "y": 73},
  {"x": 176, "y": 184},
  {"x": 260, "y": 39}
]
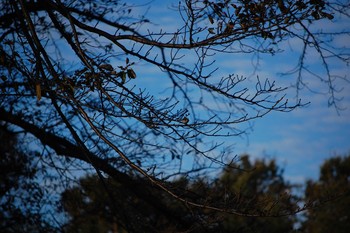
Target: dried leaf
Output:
[
  {"x": 123, "y": 76},
  {"x": 185, "y": 120},
  {"x": 131, "y": 73},
  {"x": 211, "y": 30},
  {"x": 211, "y": 20},
  {"x": 106, "y": 67},
  {"x": 38, "y": 91}
]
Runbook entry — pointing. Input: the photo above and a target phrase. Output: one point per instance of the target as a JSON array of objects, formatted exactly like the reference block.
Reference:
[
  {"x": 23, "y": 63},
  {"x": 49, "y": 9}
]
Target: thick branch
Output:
[{"x": 65, "y": 148}]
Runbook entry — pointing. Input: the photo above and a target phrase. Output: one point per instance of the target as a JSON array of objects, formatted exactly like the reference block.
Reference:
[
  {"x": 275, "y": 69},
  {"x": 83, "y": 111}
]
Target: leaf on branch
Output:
[
  {"x": 131, "y": 73},
  {"x": 211, "y": 20},
  {"x": 80, "y": 72},
  {"x": 106, "y": 67},
  {"x": 327, "y": 15},
  {"x": 211, "y": 30},
  {"x": 229, "y": 28},
  {"x": 316, "y": 15},
  {"x": 122, "y": 75},
  {"x": 185, "y": 120},
  {"x": 38, "y": 91},
  {"x": 282, "y": 6}
]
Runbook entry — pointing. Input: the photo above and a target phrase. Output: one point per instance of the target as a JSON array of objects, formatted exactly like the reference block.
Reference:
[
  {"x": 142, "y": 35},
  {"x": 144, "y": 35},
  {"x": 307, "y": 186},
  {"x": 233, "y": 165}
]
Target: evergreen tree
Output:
[{"x": 330, "y": 198}]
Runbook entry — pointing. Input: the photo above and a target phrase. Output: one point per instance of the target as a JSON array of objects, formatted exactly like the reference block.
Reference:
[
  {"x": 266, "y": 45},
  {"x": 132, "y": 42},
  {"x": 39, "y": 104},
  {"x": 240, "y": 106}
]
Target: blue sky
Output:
[{"x": 300, "y": 140}]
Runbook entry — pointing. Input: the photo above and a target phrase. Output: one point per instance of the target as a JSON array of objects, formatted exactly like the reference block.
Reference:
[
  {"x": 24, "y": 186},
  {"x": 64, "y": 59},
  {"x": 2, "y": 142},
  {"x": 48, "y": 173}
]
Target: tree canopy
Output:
[
  {"x": 332, "y": 190},
  {"x": 20, "y": 193},
  {"x": 261, "y": 189},
  {"x": 72, "y": 82}
]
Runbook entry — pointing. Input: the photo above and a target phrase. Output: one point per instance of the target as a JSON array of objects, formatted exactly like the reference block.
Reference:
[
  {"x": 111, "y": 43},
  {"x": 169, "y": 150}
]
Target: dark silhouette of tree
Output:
[
  {"x": 71, "y": 77},
  {"x": 330, "y": 197},
  {"x": 19, "y": 194},
  {"x": 90, "y": 210},
  {"x": 260, "y": 186},
  {"x": 257, "y": 186}
]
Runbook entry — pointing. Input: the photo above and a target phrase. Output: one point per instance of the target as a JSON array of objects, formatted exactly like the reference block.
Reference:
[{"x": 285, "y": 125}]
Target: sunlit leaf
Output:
[
  {"x": 38, "y": 91},
  {"x": 185, "y": 120}
]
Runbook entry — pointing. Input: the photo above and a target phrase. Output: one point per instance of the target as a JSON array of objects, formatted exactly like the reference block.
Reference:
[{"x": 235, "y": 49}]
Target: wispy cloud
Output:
[{"x": 299, "y": 140}]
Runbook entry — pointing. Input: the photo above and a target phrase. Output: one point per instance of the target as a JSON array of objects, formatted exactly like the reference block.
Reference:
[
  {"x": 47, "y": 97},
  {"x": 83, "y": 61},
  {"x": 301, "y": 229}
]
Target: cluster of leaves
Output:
[
  {"x": 84, "y": 78},
  {"x": 261, "y": 16}
]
